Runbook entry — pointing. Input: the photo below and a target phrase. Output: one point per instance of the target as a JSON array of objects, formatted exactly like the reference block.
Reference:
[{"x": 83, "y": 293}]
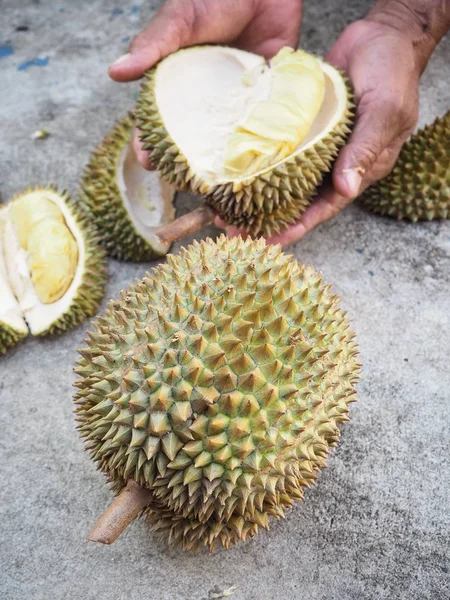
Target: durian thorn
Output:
[
  {"x": 123, "y": 510},
  {"x": 189, "y": 223}
]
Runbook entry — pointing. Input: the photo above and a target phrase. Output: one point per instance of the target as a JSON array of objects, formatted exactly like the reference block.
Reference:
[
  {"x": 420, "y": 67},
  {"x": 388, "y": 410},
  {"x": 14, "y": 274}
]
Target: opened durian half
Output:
[
  {"x": 127, "y": 202},
  {"x": 52, "y": 269},
  {"x": 254, "y": 139}
]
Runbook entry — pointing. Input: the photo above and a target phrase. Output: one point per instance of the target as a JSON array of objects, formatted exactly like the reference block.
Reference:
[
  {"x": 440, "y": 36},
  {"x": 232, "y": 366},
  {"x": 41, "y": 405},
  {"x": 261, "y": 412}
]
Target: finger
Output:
[
  {"x": 182, "y": 23},
  {"x": 142, "y": 156},
  {"x": 373, "y": 133},
  {"x": 168, "y": 31},
  {"x": 326, "y": 206},
  {"x": 384, "y": 165}
]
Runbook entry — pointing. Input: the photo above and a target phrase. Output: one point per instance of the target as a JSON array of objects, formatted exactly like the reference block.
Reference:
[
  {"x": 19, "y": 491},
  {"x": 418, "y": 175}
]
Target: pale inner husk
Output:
[
  {"x": 17, "y": 291},
  {"x": 147, "y": 198},
  {"x": 202, "y": 96},
  {"x": 10, "y": 312}
]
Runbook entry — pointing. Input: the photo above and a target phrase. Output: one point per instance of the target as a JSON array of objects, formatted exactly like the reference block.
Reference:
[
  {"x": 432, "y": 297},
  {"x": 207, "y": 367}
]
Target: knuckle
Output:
[{"x": 366, "y": 153}]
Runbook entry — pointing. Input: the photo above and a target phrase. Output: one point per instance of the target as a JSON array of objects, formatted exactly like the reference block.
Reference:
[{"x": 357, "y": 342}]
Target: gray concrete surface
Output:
[{"x": 377, "y": 524}]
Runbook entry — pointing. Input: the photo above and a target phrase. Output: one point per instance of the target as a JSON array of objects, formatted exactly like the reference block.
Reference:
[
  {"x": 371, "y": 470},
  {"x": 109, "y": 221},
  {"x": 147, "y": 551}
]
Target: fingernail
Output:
[
  {"x": 120, "y": 60},
  {"x": 353, "y": 181}
]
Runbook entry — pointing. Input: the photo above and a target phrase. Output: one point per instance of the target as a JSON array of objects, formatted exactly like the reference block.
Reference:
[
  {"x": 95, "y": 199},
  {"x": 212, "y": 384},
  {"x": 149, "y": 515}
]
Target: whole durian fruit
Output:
[
  {"x": 418, "y": 188},
  {"x": 215, "y": 386},
  {"x": 52, "y": 268},
  {"x": 126, "y": 201},
  {"x": 254, "y": 139}
]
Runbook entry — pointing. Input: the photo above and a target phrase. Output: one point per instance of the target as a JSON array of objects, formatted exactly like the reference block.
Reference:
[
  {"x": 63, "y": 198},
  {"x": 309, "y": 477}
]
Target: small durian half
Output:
[
  {"x": 253, "y": 138},
  {"x": 52, "y": 267},
  {"x": 127, "y": 202}
]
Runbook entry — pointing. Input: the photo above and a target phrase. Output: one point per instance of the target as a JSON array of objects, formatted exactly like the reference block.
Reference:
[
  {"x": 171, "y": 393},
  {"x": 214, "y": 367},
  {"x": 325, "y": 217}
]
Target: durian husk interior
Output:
[
  {"x": 127, "y": 202},
  {"x": 255, "y": 140},
  {"x": 217, "y": 383},
  {"x": 51, "y": 267},
  {"x": 418, "y": 188}
]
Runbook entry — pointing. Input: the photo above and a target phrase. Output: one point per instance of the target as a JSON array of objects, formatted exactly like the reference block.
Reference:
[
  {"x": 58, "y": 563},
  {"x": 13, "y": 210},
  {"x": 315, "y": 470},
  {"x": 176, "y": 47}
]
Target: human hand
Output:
[
  {"x": 382, "y": 65},
  {"x": 259, "y": 26}
]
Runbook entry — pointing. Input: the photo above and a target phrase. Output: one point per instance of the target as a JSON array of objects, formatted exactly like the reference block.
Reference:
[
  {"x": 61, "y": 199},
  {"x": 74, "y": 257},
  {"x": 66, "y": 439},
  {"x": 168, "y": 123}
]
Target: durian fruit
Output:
[
  {"x": 12, "y": 325},
  {"x": 254, "y": 139},
  {"x": 215, "y": 386},
  {"x": 52, "y": 268},
  {"x": 127, "y": 201},
  {"x": 418, "y": 188}
]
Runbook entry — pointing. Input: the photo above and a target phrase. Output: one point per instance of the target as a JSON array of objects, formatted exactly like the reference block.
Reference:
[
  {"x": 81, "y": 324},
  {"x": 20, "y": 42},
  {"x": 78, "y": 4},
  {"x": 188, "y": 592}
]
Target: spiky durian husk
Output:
[
  {"x": 91, "y": 289},
  {"x": 263, "y": 204},
  {"x": 217, "y": 382},
  {"x": 100, "y": 193},
  {"x": 418, "y": 188},
  {"x": 9, "y": 336}
]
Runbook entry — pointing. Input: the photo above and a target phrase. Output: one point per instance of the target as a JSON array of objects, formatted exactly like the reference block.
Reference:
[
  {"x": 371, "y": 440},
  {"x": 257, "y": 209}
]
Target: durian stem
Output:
[
  {"x": 123, "y": 510},
  {"x": 193, "y": 221}
]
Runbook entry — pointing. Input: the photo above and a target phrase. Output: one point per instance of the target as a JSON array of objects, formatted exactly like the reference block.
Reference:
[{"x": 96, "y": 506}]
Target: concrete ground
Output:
[{"x": 377, "y": 524}]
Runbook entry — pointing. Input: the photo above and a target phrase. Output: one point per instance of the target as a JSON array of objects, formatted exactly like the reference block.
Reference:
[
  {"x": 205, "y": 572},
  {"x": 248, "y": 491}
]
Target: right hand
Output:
[{"x": 259, "y": 26}]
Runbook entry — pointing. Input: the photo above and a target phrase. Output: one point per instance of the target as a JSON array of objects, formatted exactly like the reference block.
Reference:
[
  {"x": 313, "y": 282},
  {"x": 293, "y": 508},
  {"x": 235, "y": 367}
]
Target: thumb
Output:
[
  {"x": 168, "y": 31},
  {"x": 372, "y": 134}
]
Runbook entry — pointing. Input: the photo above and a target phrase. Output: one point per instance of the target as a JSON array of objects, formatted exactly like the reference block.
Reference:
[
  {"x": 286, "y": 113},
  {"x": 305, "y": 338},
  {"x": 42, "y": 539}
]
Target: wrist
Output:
[{"x": 422, "y": 23}]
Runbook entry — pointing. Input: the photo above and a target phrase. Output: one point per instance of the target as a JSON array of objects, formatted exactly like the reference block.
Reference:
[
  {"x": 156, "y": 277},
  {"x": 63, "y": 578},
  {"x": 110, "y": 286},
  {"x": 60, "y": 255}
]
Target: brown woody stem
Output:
[
  {"x": 193, "y": 221},
  {"x": 123, "y": 510}
]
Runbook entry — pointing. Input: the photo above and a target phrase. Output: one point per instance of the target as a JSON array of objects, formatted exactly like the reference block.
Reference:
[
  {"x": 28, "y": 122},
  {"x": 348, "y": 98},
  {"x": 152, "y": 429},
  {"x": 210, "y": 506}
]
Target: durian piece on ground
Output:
[
  {"x": 254, "y": 139},
  {"x": 52, "y": 268},
  {"x": 127, "y": 202},
  {"x": 12, "y": 325},
  {"x": 418, "y": 188},
  {"x": 211, "y": 392}
]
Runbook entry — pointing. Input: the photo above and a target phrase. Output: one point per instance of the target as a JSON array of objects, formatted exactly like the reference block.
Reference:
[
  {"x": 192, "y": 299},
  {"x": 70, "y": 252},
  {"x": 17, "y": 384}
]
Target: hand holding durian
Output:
[{"x": 389, "y": 45}]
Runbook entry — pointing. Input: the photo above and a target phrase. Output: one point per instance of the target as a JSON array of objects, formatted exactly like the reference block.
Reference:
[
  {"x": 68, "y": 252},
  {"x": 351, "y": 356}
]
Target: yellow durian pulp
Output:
[
  {"x": 276, "y": 126},
  {"x": 51, "y": 248}
]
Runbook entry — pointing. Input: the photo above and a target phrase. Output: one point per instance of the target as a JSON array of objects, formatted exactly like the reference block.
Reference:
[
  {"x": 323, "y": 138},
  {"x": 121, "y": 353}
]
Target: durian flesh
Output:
[
  {"x": 50, "y": 248},
  {"x": 52, "y": 269},
  {"x": 253, "y": 138},
  {"x": 127, "y": 202},
  {"x": 218, "y": 383},
  {"x": 282, "y": 103}
]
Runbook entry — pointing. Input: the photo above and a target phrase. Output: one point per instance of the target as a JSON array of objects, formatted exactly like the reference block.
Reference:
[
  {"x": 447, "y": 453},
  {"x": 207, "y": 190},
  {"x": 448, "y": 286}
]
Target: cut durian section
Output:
[
  {"x": 128, "y": 202},
  {"x": 255, "y": 139},
  {"x": 12, "y": 324},
  {"x": 52, "y": 269},
  {"x": 274, "y": 127}
]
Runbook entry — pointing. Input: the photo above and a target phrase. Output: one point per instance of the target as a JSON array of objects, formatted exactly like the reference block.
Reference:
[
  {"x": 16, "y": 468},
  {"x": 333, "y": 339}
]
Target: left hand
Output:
[{"x": 382, "y": 66}]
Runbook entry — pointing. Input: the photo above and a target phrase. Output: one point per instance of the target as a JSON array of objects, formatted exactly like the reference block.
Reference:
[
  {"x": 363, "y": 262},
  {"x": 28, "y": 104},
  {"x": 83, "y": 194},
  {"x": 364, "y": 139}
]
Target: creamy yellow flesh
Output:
[
  {"x": 277, "y": 125},
  {"x": 52, "y": 252}
]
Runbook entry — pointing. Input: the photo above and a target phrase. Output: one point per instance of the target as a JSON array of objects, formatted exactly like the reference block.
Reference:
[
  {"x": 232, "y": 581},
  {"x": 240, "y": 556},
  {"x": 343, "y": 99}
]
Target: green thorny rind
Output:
[
  {"x": 261, "y": 204},
  {"x": 418, "y": 188},
  {"x": 218, "y": 382},
  {"x": 9, "y": 336},
  {"x": 100, "y": 193}
]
